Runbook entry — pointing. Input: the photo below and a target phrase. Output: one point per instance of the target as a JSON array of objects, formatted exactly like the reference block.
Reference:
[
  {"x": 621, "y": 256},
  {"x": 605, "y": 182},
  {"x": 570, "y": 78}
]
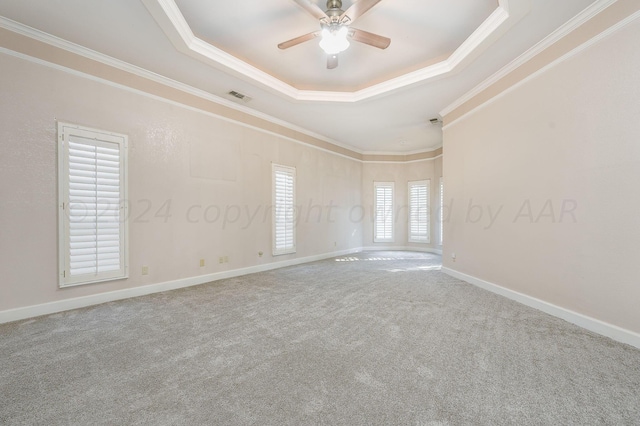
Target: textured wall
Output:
[
  {"x": 187, "y": 172},
  {"x": 543, "y": 185}
]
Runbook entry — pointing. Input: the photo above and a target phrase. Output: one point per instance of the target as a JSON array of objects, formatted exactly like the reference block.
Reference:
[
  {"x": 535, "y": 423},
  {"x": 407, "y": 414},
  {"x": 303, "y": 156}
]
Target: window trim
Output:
[
  {"x": 65, "y": 131},
  {"x": 375, "y": 211},
  {"x": 427, "y": 184},
  {"x": 291, "y": 170}
]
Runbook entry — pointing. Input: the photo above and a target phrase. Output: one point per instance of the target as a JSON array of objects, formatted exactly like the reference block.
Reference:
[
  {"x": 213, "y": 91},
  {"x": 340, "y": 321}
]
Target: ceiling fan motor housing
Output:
[
  {"x": 334, "y": 4},
  {"x": 334, "y": 10}
]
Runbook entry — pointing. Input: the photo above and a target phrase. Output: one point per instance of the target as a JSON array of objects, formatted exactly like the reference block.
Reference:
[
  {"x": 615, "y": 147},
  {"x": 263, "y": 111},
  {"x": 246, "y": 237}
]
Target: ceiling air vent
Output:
[{"x": 240, "y": 96}]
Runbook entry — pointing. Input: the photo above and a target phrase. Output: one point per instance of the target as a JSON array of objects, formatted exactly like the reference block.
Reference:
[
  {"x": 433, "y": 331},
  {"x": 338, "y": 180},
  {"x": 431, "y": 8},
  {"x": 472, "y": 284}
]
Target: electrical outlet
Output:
[
  {"x": 260, "y": 253},
  {"x": 145, "y": 270},
  {"x": 201, "y": 262},
  {"x": 453, "y": 257},
  {"x": 221, "y": 259}
]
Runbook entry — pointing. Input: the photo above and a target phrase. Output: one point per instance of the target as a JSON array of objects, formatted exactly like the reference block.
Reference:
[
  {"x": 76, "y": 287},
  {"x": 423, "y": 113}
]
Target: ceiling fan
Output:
[{"x": 335, "y": 30}]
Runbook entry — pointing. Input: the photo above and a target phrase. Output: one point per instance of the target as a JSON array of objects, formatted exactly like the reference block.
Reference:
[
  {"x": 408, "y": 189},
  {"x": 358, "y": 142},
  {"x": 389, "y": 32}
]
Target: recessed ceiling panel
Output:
[
  {"x": 422, "y": 32},
  {"x": 387, "y": 117}
]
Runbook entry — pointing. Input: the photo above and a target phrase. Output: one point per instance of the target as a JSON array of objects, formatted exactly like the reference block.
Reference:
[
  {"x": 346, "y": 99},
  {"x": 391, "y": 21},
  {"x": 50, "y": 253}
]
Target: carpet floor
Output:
[{"x": 373, "y": 338}]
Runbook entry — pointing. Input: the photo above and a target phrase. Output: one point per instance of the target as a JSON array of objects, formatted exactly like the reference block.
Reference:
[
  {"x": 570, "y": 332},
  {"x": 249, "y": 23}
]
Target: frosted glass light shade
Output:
[{"x": 334, "y": 42}]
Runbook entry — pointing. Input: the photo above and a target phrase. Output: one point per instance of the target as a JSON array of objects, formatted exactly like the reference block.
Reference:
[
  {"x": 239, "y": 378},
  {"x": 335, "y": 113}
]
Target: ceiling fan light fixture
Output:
[{"x": 334, "y": 41}]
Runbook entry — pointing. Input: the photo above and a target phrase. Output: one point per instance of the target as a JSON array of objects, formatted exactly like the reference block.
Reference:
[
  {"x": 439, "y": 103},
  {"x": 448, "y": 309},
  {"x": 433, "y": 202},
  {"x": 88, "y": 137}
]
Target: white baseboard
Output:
[
  {"x": 402, "y": 248},
  {"x": 96, "y": 299},
  {"x": 609, "y": 330}
]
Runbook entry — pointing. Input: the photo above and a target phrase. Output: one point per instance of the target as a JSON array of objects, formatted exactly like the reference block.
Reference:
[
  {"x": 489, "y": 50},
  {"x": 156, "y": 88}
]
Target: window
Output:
[
  {"x": 92, "y": 167},
  {"x": 441, "y": 218},
  {"x": 419, "y": 211},
  {"x": 383, "y": 221},
  {"x": 284, "y": 201}
]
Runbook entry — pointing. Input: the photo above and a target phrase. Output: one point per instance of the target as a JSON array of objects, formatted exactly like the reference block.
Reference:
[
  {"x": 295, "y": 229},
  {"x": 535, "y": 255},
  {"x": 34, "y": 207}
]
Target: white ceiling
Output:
[
  {"x": 396, "y": 119},
  {"x": 419, "y": 38}
]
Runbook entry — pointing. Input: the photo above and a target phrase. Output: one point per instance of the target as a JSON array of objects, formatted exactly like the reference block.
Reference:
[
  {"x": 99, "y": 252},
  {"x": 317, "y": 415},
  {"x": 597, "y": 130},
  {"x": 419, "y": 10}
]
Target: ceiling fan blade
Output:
[
  {"x": 371, "y": 39},
  {"x": 332, "y": 62},
  {"x": 295, "y": 41},
  {"x": 358, "y": 9},
  {"x": 312, "y": 8}
]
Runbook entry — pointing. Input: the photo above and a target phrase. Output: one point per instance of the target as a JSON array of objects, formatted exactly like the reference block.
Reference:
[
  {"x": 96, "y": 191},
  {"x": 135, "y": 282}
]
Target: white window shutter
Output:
[
  {"x": 93, "y": 212},
  {"x": 441, "y": 218},
  {"x": 284, "y": 226},
  {"x": 419, "y": 211},
  {"x": 383, "y": 220}
]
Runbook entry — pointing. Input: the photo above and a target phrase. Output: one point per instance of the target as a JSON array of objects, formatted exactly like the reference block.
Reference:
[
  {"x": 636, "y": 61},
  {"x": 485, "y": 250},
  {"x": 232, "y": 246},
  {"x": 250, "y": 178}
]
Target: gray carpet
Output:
[{"x": 376, "y": 338}]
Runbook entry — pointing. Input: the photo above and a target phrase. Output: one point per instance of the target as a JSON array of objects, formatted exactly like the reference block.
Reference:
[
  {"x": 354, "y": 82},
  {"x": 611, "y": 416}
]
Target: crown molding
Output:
[
  {"x": 494, "y": 21},
  {"x": 575, "y": 22},
  {"x": 547, "y": 67},
  {"x": 172, "y": 22},
  {"x": 159, "y": 98},
  {"x": 401, "y": 161},
  {"x": 60, "y": 43},
  {"x": 415, "y": 152}
]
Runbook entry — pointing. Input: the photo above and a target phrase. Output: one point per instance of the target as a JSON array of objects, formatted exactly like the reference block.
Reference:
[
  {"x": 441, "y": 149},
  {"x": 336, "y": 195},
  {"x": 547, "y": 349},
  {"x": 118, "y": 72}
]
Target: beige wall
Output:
[
  {"x": 176, "y": 155},
  {"x": 401, "y": 174},
  {"x": 567, "y": 139}
]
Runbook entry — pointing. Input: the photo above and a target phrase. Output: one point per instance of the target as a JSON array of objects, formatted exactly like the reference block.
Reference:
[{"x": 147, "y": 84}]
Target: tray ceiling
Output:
[{"x": 376, "y": 101}]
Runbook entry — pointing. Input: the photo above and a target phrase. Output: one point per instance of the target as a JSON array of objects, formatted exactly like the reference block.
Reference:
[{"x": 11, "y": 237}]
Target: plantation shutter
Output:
[
  {"x": 383, "y": 221},
  {"x": 93, "y": 192},
  {"x": 441, "y": 211},
  {"x": 284, "y": 231},
  {"x": 419, "y": 211}
]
